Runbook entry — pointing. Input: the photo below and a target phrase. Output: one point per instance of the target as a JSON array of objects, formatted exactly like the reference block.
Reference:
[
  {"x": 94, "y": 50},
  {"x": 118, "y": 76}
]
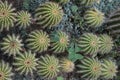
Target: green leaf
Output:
[
  {"x": 60, "y": 78},
  {"x": 74, "y": 8}
]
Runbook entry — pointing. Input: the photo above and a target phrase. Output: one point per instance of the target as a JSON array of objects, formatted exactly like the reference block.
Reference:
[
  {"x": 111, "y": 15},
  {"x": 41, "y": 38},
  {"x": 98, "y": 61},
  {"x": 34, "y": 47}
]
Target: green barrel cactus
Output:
[
  {"x": 94, "y": 18},
  {"x": 48, "y": 67},
  {"x": 62, "y": 1},
  {"x": 89, "y": 2},
  {"x": 11, "y": 45},
  {"x": 5, "y": 71},
  {"x": 106, "y": 43},
  {"x": 7, "y": 15},
  {"x": 25, "y": 63},
  {"x": 23, "y": 19},
  {"x": 109, "y": 69},
  {"x": 49, "y": 14},
  {"x": 67, "y": 65},
  {"x": 38, "y": 41},
  {"x": 90, "y": 68},
  {"x": 59, "y": 42},
  {"x": 89, "y": 43}
]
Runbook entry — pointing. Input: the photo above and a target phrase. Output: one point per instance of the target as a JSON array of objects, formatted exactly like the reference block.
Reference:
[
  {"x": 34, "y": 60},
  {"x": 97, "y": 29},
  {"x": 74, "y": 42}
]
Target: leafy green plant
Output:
[
  {"x": 23, "y": 19},
  {"x": 90, "y": 68},
  {"x": 11, "y": 45},
  {"x": 25, "y": 63},
  {"x": 48, "y": 67},
  {"x": 60, "y": 41},
  {"x": 89, "y": 43},
  {"x": 94, "y": 18},
  {"x": 106, "y": 44},
  {"x": 67, "y": 65},
  {"x": 49, "y": 14},
  {"x": 7, "y": 15},
  {"x": 38, "y": 41},
  {"x": 5, "y": 71},
  {"x": 109, "y": 69}
]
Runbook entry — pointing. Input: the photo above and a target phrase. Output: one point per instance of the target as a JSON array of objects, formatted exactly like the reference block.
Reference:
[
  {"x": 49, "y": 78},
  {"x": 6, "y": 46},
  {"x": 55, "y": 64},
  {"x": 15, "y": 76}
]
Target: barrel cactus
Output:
[
  {"x": 94, "y": 18},
  {"x": 48, "y": 67},
  {"x": 11, "y": 45},
  {"x": 89, "y": 2},
  {"x": 49, "y": 14},
  {"x": 5, "y": 71},
  {"x": 62, "y": 1},
  {"x": 23, "y": 19},
  {"x": 25, "y": 63},
  {"x": 38, "y": 41},
  {"x": 109, "y": 69},
  {"x": 7, "y": 15},
  {"x": 89, "y": 43},
  {"x": 90, "y": 68},
  {"x": 67, "y": 65},
  {"x": 60, "y": 42},
  {"x": 106, "y": 43}
]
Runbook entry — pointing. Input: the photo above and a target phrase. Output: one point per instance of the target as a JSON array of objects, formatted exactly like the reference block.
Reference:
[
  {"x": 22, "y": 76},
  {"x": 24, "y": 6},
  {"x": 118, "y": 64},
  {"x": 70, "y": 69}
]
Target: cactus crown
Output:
[
  {"x": 11, "y": 45},
  {"x": 25, "y": 63},
  {"x": 49, "y": 14},
  {"x": 38, "y": 41},
  {"x": 48, "y": 67},
  {"x": 7, "y": 15}
]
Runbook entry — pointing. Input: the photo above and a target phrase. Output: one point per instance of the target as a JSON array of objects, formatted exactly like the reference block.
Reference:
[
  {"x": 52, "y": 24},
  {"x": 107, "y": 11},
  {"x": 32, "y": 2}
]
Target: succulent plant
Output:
[
  {"x": 106, "y": 43},
  {"x": 11, "y": 45},
  {"x": 25, "y": 63},
  {"x": 49, "y": 14},
  {"x": 7, "y": 15},
  {"x": 67, "y": 65},
  {"x": 89, "y": 43},
  {"x": 5, "y": 71},
  {"x": 89, "y": 2},
  {"x": 109, "y": 69},
  {"x": 60, "y": 42},
  {"x": 23, "y": 19},
  {"x": 90, "y": 68},
  {"x": 94, "y": 18},
  {"x": 38, "y": 41},
  {"x": 48, "y": 67},
  {"x": 62, "y": 1}
]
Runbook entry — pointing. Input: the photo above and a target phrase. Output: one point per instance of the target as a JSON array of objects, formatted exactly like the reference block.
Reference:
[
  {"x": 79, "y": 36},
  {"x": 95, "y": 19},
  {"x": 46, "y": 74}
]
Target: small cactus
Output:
[
  {"x": 94, "y": 18},
  {"x": 7, "y": 16},
  {"x": 109, "y": 69},
  {"x": 89, "y": 2},
  {"x": 49, "y": 14},
  {"x": 67, "y": 65},
  {"x": 89, "y": 43},
  {"x": 5, "y": 71},
  {"x": 11, "y": 45},
  {"x": 106, "y": 43},
  {"x": 38, "y": 41},
  {"x": 25, "y": 63},
  {"x": 48, "y": 67},
  {"x": 60, "y": 42},
  {"x": 90, "y": 68},
  {"x": 23, "y": 19}
]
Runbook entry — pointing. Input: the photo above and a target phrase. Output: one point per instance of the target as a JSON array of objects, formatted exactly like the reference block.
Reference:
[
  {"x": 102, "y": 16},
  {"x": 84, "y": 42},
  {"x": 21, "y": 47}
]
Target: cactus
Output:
[
  {"x": 25, "y": 63},
  {"x": 109, "y": 69},
  {"x": 90, "y": 68},
  {"x": 48, "y": 67},
  {"x": 89, "y": 2},
  {"x": 67, "y": 65},
  {"x": 23, "y": 19},
  {"x": 89, "y": 43},
  {"x": 94, "y": 18},
  {"x": 60, "y": 42},
  {"x": 49, "y": 14},
  {"x": 7, "y": 16},
  {"x": 106, "y": 44},
  {"x": 62, "y": 1},
  {"x": 5, "y": 71},
  {"x": 11, "y": 45},
  {"x": 38, "y": 41}
]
